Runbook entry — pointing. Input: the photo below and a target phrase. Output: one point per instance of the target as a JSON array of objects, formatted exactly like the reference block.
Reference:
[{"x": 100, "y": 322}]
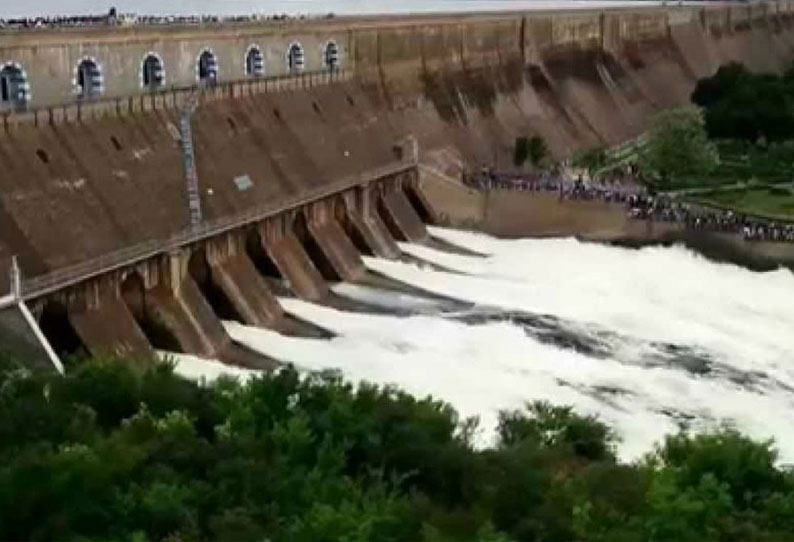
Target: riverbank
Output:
[{"x": 515, "y": 214}]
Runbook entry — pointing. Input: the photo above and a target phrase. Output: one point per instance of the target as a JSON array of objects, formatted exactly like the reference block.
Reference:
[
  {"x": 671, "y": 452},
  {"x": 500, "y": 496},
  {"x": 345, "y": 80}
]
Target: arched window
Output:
[
  {"x": 331, "y": 56},
  {"x": 295, "y": 58},
  {"x": 89, "y": 79},
  {"x": 207, "y": 67},
  {"x": 153, "y": 72},
  {"x": 254, "y": 62},
  {"x": 14, "y": 89}
]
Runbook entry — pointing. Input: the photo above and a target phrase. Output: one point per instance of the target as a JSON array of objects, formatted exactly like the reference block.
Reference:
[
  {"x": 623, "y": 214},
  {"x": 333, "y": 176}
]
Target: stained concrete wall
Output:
[
  {"x": 398, "y": 45},
  {"x": 75, "y": 190},
  {"x": 50, "y": 58}
]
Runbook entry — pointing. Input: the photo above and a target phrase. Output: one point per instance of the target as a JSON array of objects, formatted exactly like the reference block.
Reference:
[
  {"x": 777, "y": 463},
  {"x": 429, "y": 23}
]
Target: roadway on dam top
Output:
[
  {"x": 352, "y": 21},
  {"x": 345, "y": 8}
]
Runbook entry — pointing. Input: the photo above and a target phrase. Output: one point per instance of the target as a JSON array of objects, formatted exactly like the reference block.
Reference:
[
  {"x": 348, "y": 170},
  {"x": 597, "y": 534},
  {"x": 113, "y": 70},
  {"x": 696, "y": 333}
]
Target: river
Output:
[{"x": 650, "y": 340}]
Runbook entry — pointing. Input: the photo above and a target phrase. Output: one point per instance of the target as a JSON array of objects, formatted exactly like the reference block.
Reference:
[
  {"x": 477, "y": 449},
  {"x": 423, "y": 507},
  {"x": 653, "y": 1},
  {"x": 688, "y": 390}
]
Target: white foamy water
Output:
[
  {"x": 204, "y": 370},
  {"x": 649, "y": 340}
]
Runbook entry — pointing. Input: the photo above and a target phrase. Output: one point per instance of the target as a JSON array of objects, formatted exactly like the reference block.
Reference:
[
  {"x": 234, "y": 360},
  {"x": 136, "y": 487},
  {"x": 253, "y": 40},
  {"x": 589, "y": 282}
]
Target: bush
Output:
[
  {"x": 286, "y": 457},
  {"x": 521, "y": 151},
  {"x": 533, "y": 149}
]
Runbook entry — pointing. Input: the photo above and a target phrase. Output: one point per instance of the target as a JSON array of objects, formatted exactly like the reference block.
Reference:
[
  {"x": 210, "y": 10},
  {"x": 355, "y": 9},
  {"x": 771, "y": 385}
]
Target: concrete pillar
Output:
[
  {"x": 334, "y": 242},
  {"x": 295, "y": 266},
  {"x": 401, "y": 217},
  {"x": 103, "y": 321},
  {"x": 178, "y": 303},
  {"x": 415, "y": 188},
  {"x": 364, "y": 217},
  {"x": 235, "y": 274}
]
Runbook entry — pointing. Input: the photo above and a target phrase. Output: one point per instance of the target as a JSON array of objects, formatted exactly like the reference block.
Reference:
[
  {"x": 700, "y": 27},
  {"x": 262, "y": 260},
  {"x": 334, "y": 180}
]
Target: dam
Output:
[{"x": 156, "y": 180}]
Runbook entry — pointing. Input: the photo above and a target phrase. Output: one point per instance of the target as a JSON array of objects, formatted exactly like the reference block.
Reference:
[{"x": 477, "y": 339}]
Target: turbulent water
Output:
[
  {"x": 650, "y": 340},
  {"x": 237, "y": 7}
]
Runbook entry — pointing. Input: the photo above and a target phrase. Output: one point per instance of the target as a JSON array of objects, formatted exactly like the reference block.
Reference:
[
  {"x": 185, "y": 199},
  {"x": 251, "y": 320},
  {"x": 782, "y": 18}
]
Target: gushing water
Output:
[{"x": 650, "y": 340}]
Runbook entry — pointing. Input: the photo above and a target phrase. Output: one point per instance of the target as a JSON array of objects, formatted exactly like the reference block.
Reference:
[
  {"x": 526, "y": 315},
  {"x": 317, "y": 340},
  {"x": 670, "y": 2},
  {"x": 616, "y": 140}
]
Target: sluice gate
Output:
[
  {"x": 174, "y": 299},
  {"x": 312, "y": 144}
]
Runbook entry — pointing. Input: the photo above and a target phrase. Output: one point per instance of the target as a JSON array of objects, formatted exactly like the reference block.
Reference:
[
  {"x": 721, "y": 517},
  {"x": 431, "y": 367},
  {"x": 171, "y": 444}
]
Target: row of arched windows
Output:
[{"x": 89, "y": 81}]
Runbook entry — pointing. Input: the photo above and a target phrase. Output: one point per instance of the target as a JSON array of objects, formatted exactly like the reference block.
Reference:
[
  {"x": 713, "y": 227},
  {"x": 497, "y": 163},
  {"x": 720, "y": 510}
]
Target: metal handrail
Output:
[
  {"x": 70, "y": 275},
  {"x": 141, "y": 101}
]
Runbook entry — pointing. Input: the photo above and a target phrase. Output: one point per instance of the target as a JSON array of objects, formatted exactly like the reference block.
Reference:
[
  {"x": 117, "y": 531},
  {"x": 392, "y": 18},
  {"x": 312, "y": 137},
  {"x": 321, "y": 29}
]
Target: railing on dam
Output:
[
  {"x": 71, "y": 275},
  {"x": 171, "y": 97}
]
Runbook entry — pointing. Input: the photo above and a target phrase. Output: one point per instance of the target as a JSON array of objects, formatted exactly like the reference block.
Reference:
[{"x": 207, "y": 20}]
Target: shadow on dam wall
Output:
[{"x": 75, "y": 190}]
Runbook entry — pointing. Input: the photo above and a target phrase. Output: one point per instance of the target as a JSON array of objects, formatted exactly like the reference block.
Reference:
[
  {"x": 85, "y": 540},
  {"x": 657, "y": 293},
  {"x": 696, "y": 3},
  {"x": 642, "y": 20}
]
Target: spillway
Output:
[
  {"x": 156, "y": 180},
  {"x": 651, "y": 340}
]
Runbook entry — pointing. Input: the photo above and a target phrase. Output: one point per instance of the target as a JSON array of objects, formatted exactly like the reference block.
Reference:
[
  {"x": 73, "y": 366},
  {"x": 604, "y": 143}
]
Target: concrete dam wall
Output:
[{"x": 302, "y": 168}]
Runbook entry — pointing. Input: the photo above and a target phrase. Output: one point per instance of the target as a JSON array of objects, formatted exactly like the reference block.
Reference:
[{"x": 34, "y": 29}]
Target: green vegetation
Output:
[
  {"x": 749, "y": 119},
  {"x": 531, "y": 149},
  {"x": 742, "y": 105},
  {"x": 591, "y": 160},
  {"x": 678, "y": 148},
  {"x": 538, "y": 150},
  {"x": 775, "y": 203},
  {"x": 116, "y": 452},
  {"x": 742, "y": 163},
  {"x": 521, "y": 151}
]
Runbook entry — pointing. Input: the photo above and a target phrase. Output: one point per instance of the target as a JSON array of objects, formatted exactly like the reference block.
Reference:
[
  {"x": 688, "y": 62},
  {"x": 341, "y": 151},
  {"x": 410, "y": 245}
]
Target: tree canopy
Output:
[
  {"x": 678, "y": 146},
  {"x": 118, "y": 452},
  {"x": 739, "y": 104},
  {"x": 532, "y": 149}
]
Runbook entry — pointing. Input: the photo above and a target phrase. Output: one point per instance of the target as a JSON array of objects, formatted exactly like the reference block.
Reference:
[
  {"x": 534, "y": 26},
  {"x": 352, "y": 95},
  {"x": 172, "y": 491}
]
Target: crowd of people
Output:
[
  {"x": 666, "y": 209},
  {"x": 640, "y": 204},
  {"x": 113, "y": 18},
  {"x": 616, "y": 189}
]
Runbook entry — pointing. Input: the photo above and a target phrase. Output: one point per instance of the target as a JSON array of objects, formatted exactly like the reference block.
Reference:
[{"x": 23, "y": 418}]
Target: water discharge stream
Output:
[{"x": 650, "y": 340}]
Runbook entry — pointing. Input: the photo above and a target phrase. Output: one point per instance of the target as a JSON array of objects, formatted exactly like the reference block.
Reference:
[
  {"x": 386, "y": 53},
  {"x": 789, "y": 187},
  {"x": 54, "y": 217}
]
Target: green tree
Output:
[
  {"x": 678, "y": 146},
  {"x": 591, "y": 159},
  {"x": 286, "y": 457},
  {"x": 538, "y": 150},
  {"x": 520, "y": 151},
  {"x": 533, "y": 149},
  {"x": 747, "y": 106}
]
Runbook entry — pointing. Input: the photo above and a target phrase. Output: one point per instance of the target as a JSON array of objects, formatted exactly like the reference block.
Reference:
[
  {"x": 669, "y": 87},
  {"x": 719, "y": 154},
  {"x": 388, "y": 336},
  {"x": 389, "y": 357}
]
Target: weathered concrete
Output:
[
  {"x": 19, "y": 340},
  {"x": 577, "y": 81},
  {"x": 401, "y": 217},
  {"x": 109, "y": 328},
  {"x": 185, "y": 312},
  {"x": 295, "y": 266},
  {"x": 375, "y": 233},
  {"x": 91, "y": 183},
  {"x": 392, "y": 48},
  {"x": 338, "y": 248},
  {"x": 234, "y": 273},
  {"x": 248, "y": 292},
  {"x": 50, "y": 58}
]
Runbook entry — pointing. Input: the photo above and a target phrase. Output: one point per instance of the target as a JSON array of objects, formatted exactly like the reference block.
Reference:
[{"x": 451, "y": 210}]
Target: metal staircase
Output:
[{"x": 189, "y": 157}]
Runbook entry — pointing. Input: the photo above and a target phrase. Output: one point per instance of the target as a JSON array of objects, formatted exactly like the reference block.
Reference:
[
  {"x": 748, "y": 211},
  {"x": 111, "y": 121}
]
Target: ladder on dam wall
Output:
[{"x": 189, "y": 158}]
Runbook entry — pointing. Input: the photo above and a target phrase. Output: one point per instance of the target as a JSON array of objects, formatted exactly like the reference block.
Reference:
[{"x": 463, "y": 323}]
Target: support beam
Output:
[
  {"x": 402, "y": 217},
  {"x": 110, "y": 328},
  {"x": 338, "y": 249},
  {"x": 295, "y": 266},
  {"x": 45, "y": 344},
  {"x": 417, "y": 196},
  {"x": 375, "y": 233},
  {"x": 185, "y": 312},
  {"x": 247, "y": 290}
]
